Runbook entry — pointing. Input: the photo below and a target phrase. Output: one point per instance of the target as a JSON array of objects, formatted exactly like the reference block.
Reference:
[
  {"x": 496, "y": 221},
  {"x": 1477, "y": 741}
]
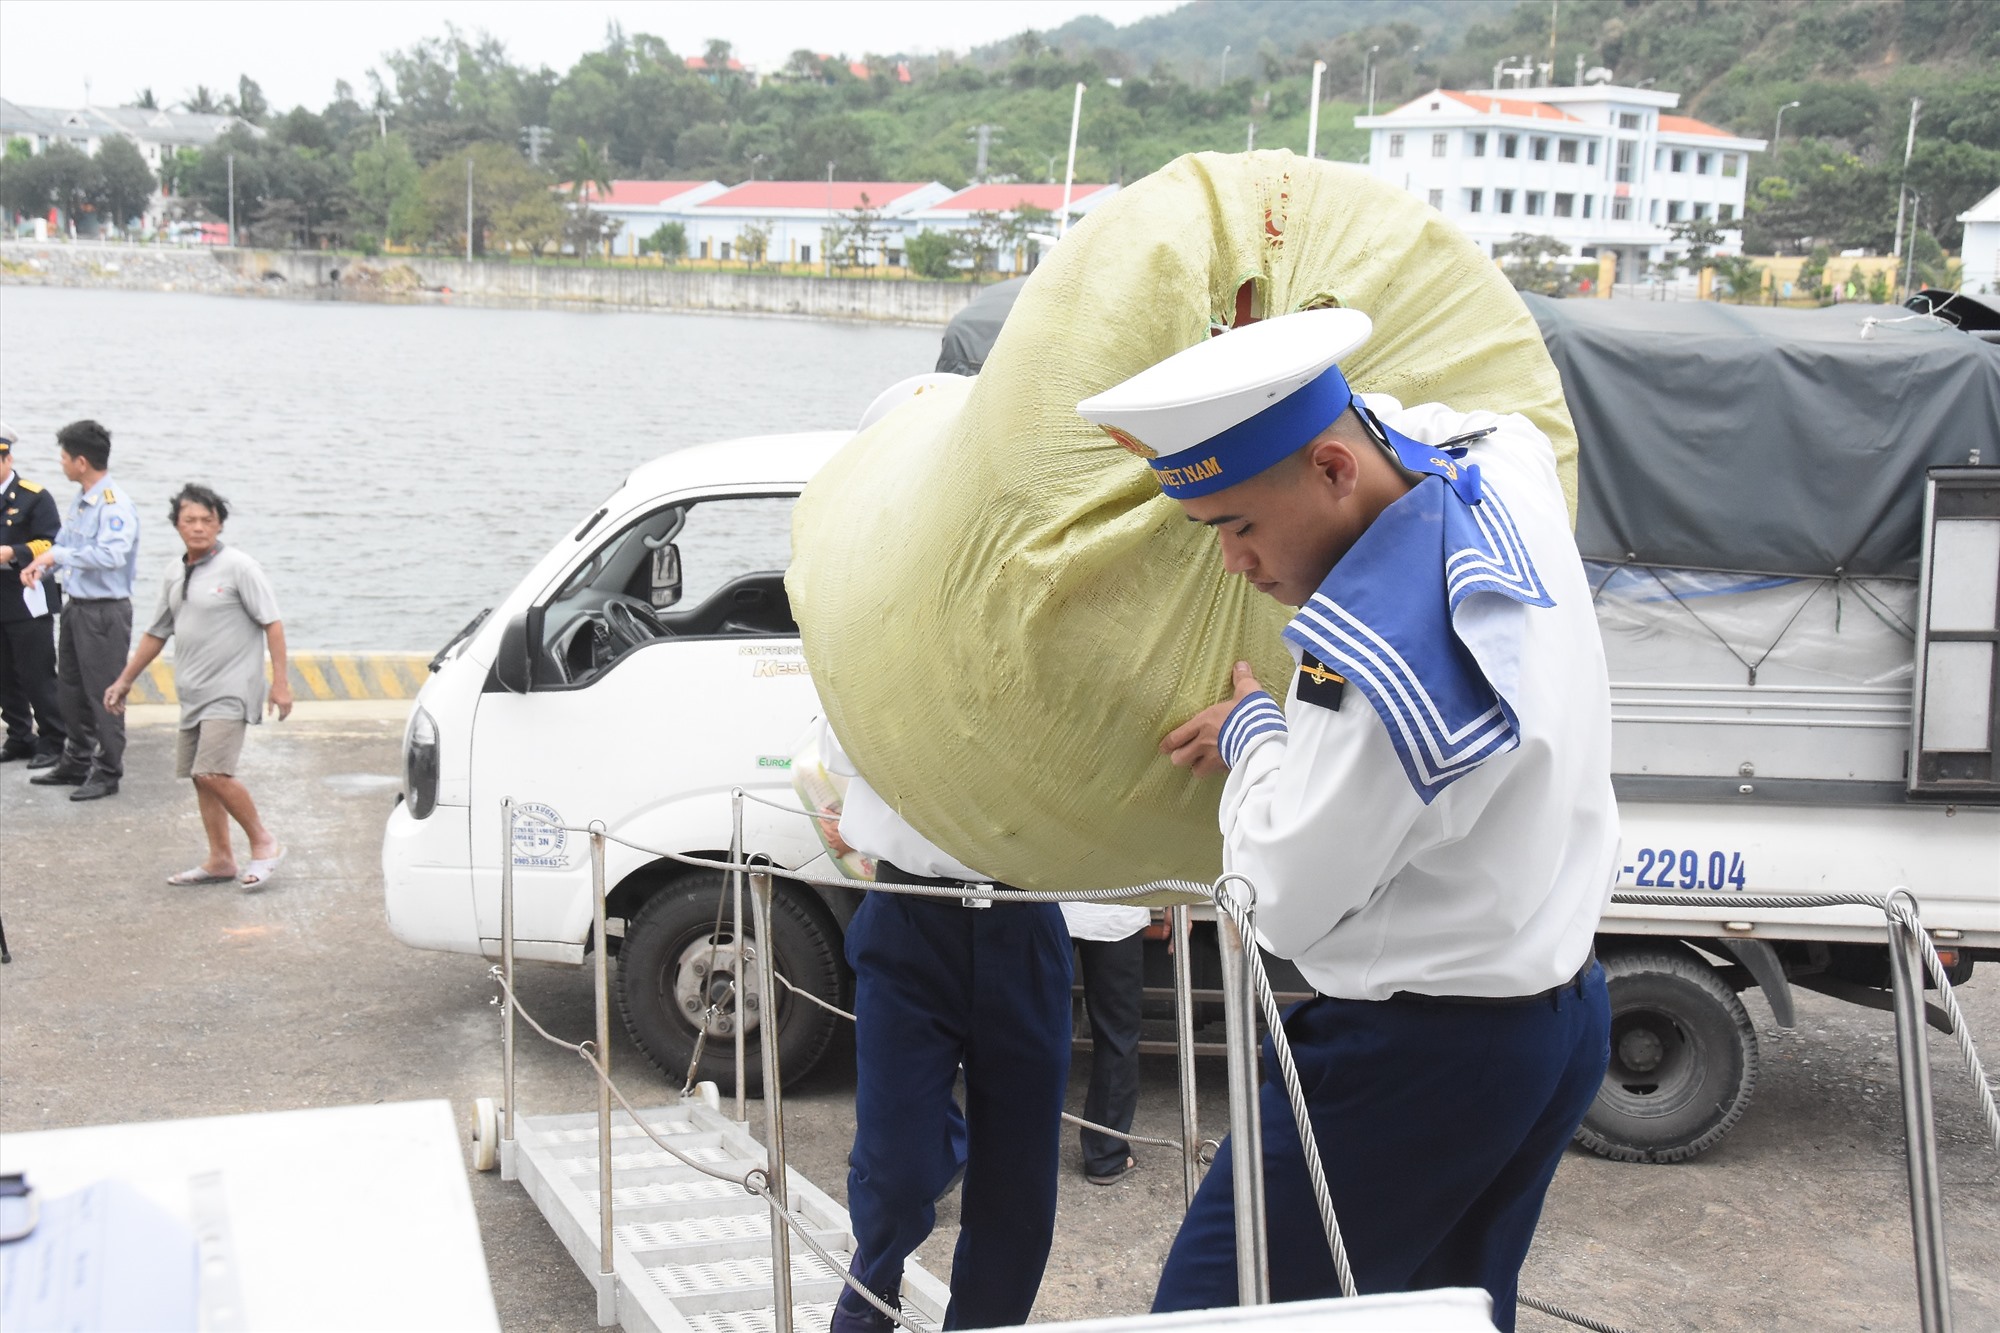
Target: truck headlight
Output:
[{"x": 420, "y": 764}]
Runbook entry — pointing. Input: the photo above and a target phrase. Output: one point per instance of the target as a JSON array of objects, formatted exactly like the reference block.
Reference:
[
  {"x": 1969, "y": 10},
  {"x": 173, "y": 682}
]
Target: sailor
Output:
[
  {"x": 1427, "y": 820},
  {"x": 940, "y": 983}
]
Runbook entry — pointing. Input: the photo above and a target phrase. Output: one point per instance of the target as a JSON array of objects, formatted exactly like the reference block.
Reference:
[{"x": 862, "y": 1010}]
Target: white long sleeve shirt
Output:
[{"x": 1493, "y": 886}]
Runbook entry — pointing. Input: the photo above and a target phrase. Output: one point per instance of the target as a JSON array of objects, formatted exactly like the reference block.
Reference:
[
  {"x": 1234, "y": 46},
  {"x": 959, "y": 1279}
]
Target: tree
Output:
[
  {"x": 1812, "y": 282},
  {"x": 124, "y": 182},
  {"x": 514, "y": 203},
  {"x": 145, "y": 101},
  {"x": 930, "y": 254},
  {"x": 753, "y": 242},
  {"x": 202, "y": 101},
  {"x": 669, "y": 241},
  {"x": 1742, "y": 277},
  {"x": 862, "y": 231},
  {"x": 585, "y": 229},
  {"x": 72, "y": 178},
  {"x": 989, "y": 234},
  {"x": 1700, "y": 236},
  {"x": 250, "y": 102},
  {"x": 384, "y": 180},
  {"x": 24, "y": 185},
  {"x": 1529, "y": 261},
  {"x": 590, "y": 170}
]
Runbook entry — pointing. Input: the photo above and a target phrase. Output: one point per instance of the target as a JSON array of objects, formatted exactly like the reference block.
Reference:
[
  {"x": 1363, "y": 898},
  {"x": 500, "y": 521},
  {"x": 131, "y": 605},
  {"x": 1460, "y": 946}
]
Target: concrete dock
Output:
[{"x": 131, "y": 1000}]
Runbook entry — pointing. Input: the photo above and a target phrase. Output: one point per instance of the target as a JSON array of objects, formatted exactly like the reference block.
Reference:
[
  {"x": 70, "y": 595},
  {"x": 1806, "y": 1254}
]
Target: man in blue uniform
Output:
[
  {"x": 1428, "y": 820},
  {"x": 940, "y": 983},
  {"x": 28, "y": 526},
  {"x": 96, "y": 556}
]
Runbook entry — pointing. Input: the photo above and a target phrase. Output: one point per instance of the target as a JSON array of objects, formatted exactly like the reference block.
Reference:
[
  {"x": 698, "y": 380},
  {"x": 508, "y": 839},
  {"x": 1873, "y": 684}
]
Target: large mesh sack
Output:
[{"x": 1004, "y": 615}]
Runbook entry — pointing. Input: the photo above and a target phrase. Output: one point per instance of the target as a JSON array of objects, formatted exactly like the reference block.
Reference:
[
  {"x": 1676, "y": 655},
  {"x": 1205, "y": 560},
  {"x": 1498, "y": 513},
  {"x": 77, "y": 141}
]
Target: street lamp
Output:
[
  {"x": 1778, "y": 131},
  {"x": 755, "y": 158},
  {"x": 1222, "y": 79},
  {"x": 1368, "y": 76},
  {"x": 826, "y": 237}
]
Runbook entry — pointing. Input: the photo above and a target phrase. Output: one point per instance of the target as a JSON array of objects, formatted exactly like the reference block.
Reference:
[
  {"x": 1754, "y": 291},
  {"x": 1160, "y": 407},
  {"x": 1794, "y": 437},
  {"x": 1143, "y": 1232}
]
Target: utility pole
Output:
[
  {"x": 1250, "y": 144},
  {"x": 1069, "y": 172},
  {"x": 985, "y": 134},
  {"x": 1312, "y": 117},
  {"x": 1902, "y": 189},
  {"x": 537, "y": 138},
  {"x": 1778, "y": 130},
  {"x": 826, "y": 237},
  {"x": 468, "y": 210},
  {"x": 1909, "y": 266},
  {"x": 232, "y": 200},
  {"x": 1222, "y": 79},
  {"x": 1368, "y": 77}
]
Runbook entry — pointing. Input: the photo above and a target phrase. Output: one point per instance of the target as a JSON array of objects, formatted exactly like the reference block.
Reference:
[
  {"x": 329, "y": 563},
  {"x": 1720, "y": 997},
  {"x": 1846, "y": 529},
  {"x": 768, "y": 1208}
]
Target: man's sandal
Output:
[
  {"x": 258, "y": 873},
  {"x": 199, "y": 875},
  {"x": 1116, "y": 1174}
]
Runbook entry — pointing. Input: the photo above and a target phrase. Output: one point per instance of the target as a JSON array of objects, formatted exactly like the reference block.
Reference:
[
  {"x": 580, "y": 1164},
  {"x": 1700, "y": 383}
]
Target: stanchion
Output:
[
  {"x": 507, "y": 1171},
  {"x": 607, "y": 1281},
  {"x": 1913, "y": 1065},
  {"x": 737, "y": 987},
  {"x": 1177, "y": 918},
  {"x": 774, "y": 1107},
  {"x": 1246, "y": 1134}
]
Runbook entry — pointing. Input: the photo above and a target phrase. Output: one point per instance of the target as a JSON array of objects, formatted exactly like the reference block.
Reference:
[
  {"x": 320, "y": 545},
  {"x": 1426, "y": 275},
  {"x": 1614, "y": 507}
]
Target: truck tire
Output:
[
  {"x": 1683, "y": 1059},
  {"x": 667, "y": 950}
]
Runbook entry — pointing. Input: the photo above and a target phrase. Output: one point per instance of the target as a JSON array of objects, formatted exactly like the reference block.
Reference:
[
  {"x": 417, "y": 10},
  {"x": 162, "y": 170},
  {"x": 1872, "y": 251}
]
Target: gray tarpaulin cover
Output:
[
  {"x": 969, "y": 336},
  {"x": 1781, "y": 441}
]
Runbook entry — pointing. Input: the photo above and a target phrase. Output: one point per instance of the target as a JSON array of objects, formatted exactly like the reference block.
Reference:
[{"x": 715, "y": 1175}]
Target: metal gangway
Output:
[{"x": 695, "y": 1222}]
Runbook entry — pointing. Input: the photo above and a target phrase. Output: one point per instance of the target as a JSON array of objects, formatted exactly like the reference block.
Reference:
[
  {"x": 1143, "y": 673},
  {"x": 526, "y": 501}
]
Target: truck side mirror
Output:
[
  {"x": 513, "y": 665},
  {"x": 666, "y": 575}
]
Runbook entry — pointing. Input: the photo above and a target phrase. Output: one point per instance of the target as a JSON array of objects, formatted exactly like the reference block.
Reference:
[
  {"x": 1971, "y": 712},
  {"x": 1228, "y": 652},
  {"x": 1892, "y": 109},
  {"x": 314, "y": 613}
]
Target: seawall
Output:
[
  {"x": 316, "y": 677},
  {"x": 427, "y": 278}
]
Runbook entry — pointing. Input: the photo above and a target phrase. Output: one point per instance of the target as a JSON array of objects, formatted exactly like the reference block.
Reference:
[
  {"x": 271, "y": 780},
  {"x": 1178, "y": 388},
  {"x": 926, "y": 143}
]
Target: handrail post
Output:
[
  {"x": 1177, "y": 918},
  {"x": 1246, "y": 1133},
  {"x": 607, "y": 1282},
  {"x": 736, "y": 893},
  {"x": 1913, "y": 1065},
  {"x": 774, "y": 1107},
  {"x": 507, "y": 1171}
]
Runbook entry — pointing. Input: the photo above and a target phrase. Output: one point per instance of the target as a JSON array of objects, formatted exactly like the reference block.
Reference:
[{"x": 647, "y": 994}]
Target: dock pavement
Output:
[{"x": 130, "y": 1000}]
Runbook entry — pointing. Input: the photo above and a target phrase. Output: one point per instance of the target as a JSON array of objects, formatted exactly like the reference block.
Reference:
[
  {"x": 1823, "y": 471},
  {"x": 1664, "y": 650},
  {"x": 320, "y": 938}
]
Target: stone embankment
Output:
[{"x": 429, "y": 278}]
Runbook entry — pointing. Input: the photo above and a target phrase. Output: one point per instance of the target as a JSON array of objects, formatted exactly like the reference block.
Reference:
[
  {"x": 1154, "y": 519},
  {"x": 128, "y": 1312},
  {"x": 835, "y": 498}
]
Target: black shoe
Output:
[
  {"x": 94, "y": 788},
  {"x": 58, "y": 776},
  {"x": 13, "y": 750},
  {"x": 46, "y": 758}
]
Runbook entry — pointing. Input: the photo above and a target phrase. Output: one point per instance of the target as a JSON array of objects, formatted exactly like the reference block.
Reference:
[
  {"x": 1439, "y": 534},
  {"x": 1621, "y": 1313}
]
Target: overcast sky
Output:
[{"x": 297, "y": 48}]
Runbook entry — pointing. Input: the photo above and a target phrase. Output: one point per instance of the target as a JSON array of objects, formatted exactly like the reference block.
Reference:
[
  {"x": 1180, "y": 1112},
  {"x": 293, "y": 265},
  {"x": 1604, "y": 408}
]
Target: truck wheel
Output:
[
  {"x": 1683, "y": 1059},
  {"x": 677, "y": 974}
]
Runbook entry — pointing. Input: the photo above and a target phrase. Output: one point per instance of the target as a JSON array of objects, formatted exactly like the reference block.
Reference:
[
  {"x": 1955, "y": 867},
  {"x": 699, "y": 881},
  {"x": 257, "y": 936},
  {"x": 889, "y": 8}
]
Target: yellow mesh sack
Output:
[{"x": 1002, "y": 612}]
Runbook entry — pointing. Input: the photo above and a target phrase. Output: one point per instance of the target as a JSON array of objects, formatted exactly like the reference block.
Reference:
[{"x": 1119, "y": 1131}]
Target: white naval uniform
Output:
[{"x": 1495, "y": 886}]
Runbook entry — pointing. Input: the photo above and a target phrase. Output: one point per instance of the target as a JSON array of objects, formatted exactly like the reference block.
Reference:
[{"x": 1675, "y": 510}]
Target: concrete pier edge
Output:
[{"x": 316, "y": 677}]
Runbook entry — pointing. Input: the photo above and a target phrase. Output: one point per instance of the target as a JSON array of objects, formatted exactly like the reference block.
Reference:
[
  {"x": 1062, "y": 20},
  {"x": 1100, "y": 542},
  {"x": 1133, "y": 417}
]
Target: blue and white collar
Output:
[{"x": 1384, "y": 617}]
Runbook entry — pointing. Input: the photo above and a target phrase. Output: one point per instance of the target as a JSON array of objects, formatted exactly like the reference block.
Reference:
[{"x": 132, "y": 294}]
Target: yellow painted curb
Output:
[{"x": 317, "y": 676}]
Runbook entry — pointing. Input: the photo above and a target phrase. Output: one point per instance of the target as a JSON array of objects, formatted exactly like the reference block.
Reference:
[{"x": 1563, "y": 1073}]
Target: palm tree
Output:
[
  {"x": 590, "y": 169},
  {"x": 202, "y": 101}
]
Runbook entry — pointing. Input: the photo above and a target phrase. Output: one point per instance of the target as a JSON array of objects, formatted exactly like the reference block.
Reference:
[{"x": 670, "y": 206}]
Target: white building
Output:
[
  {"x": 159, "y": 134},
  {"x": 797, "y": 215},
  {"x": 641, "y": 207},
  {"x": 958, "y": 214},
  {"x": 1599, "y": 167},
  {"x": 1982, "y": 246}
]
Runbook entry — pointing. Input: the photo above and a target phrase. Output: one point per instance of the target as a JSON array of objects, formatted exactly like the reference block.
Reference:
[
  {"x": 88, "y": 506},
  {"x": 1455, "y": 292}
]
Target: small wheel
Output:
[
  {"x": 1683, "y": 1059},
  {"x": 485, "y": 1134}
]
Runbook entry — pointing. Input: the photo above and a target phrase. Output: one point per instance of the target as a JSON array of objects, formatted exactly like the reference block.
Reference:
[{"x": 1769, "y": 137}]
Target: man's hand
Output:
[
  {"x": 6, "y": 555},
  {"x": 1192, "y": 744},
  {"x": 32, "y": 573},
  {"x": 114, "y": 696},
  {"x": 280, "y": 700}
]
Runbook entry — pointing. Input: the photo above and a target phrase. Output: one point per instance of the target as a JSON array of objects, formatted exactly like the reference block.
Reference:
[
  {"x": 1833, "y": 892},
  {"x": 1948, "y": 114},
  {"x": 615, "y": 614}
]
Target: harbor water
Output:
[{"x": 397, "y": 468}]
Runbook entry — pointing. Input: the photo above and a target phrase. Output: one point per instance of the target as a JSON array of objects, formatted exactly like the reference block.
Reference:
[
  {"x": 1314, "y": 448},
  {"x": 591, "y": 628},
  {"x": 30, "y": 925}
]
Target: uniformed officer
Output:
[
  {"x": 28, "y": 526},
  {"x": 96, "y": 556},
  {"x": 1428, "y": 820},
  {"x": 940, "y": 983}
]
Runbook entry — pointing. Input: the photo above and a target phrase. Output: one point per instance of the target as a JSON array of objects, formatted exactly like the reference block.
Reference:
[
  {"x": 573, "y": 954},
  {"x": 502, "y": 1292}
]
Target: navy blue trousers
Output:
[
  {"x": 1440, "y": 1126},
  {"x": 938, "y": 985}
]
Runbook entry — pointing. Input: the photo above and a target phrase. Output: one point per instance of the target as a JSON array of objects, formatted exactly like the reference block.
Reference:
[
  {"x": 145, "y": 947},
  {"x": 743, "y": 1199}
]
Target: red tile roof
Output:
[
  {"x": 735, "y": 66},
  {"x": 637, "y": 193},
  {"x": 1689, "y": 125},
  {"x": 844, "y": 196},
  {"x": 859, "y": 69},
  {"x": 1007, "y": 198},
  {"x": 1509, "y": 106}
]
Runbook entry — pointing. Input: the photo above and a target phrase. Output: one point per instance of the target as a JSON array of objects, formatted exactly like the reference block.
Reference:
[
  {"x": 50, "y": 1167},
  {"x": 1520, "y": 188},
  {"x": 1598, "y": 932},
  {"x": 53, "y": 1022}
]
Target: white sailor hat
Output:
[
  {"x": 1228, "y": 408},
  {"x": 8, "y": 439},
  {"x": 901, "y": 392}
]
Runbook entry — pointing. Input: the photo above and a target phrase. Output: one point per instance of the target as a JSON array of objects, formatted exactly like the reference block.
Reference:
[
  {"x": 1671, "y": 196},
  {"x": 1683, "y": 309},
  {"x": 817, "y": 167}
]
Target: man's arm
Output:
[
  {"x": 44, "y": 522},
  {"x": 110, "y": 547},
  {"x": 142, "y": 657},
  {"x": 280, "y": 701}
]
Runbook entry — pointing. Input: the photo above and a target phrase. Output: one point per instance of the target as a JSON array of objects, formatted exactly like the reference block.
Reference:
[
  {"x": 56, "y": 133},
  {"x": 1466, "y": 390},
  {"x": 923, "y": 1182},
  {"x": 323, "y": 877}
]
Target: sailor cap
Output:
[{"x": 1233, "y": 406}]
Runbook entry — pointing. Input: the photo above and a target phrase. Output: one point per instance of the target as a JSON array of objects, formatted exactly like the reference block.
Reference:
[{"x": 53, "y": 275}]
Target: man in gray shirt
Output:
[{"x": 222, "y": 608}]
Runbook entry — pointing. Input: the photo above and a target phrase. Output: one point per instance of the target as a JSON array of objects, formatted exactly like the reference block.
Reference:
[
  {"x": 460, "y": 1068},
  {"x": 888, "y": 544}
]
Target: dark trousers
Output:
[
  {"x": 28, "y": 682},
  {"x": 1440, "y": 1126},
  {"x": 1114, "y": 984},
  {"x": 937, "y": 985},
  {"x": 96, "y": 639}
]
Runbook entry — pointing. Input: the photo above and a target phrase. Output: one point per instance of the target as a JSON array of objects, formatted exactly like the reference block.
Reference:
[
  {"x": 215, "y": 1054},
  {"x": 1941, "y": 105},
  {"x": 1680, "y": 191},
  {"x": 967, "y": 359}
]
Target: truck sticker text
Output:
[{"x": 1687, "y": 870}]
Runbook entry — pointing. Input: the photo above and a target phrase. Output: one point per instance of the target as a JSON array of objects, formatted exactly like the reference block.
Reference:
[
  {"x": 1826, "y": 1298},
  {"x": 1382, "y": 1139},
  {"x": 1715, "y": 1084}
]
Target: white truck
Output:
[{"x": 1774, "y": 733}]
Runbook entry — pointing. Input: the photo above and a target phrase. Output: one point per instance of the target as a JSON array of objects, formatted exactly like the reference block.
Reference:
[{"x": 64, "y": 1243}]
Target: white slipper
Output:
[
  {"x": 198, "y": 875},
  {"x": 258, "y": 873}
]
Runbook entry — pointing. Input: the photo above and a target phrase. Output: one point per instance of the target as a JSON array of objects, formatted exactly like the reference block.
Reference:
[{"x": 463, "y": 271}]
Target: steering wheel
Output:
[{"x": 632, "y": 623}]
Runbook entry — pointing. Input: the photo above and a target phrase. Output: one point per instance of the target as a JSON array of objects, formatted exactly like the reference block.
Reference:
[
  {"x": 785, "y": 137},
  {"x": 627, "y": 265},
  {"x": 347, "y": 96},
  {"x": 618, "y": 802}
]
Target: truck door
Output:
[{"x": 665, "y": 670}]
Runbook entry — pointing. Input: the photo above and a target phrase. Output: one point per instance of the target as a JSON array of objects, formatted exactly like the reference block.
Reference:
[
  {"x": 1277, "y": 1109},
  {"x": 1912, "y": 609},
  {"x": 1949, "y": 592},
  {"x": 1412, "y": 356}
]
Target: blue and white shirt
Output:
[
  {"x": 1431, "y": 809},
  {"x": 98, "y": 547}
]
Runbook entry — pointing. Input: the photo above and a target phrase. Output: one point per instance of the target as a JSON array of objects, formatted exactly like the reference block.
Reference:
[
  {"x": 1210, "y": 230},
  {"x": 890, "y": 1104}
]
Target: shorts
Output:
[{"x": 210, "y": 748}]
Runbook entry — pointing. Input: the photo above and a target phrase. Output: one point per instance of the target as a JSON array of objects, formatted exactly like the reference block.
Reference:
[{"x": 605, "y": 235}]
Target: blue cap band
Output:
[{"x": 1253, "y": 445}]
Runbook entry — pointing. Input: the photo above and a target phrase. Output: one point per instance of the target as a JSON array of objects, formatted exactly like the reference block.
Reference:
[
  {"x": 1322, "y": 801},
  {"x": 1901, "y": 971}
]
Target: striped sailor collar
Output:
[{"x": 1384, "y": 618}]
